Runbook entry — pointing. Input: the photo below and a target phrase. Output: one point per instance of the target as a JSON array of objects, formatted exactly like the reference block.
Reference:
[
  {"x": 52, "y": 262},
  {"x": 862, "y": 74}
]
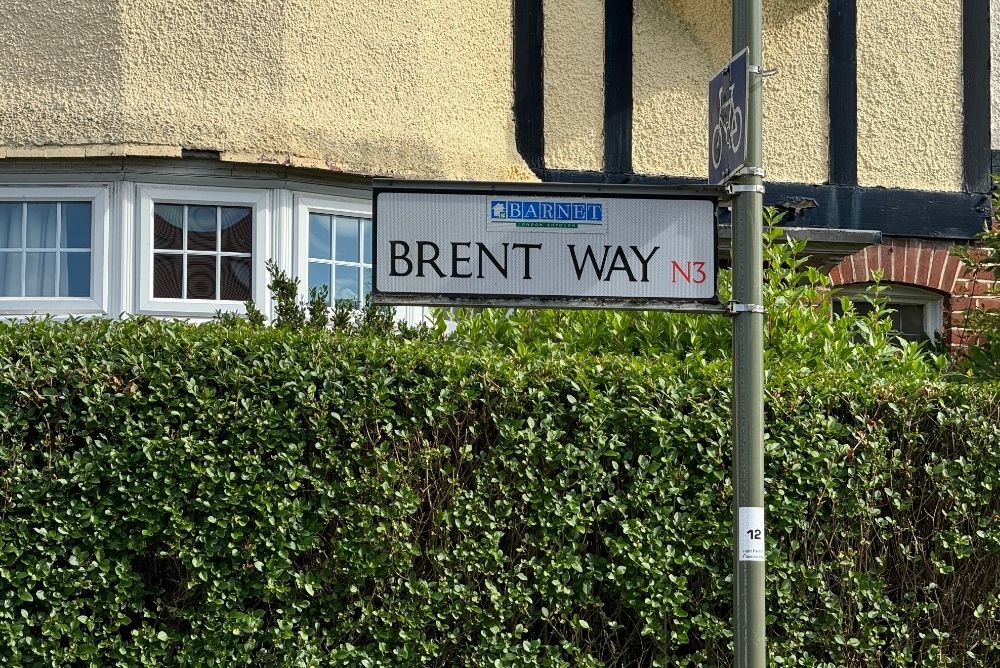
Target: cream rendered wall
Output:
[
  {"x": 574, "y": 84},
  {"x": 422, "y": 88},
  {"x": 61, "y": 71},
  {"x": 673, "y": 61},
  {"x": 796, "y": 100},
  {"x": 679, "y": 45},
  {"x": 425, "y": 88},
  {"x": 910, "y": 94}
]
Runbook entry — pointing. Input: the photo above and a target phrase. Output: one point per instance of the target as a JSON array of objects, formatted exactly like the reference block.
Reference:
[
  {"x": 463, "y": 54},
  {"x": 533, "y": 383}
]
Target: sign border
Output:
[{"x": 711, "y": 193}]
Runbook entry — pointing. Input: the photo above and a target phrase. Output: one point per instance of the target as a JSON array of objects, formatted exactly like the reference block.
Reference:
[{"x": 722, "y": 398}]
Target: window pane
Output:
[
  {"x": 863, "y": 308},
  {"x": 319, "y": 275},
  {"x": 168, "y": 223},
  {"x": 40, "y": 274},
  {"x": 346, "y": 285},
  {"x": 909, "y": 321},
  {"x": 320, "y": 236},
  {"x": 167, "y": 276},
  {"x": 236, "y": 278},
  {"x": 10, "y": 225},
  {"x": 368, "y": 241},
  {"x": 76, "y": 225},
  {"x": 348, "y": 249},
  {"x": 367, "y": 281},
  {"x": 74, "y": 275},
  {"x": 10, "y": 274},
  {"x": 41, "y": 225},
  {"x": 201, "y": 277},
  {"x": 202, "y": 224},
  {"x": 237, "y": 229}
]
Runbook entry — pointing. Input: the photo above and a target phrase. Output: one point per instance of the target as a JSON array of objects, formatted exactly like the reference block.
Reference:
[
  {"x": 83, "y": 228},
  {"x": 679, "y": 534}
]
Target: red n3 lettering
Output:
[{"x": 690, "y": 272}]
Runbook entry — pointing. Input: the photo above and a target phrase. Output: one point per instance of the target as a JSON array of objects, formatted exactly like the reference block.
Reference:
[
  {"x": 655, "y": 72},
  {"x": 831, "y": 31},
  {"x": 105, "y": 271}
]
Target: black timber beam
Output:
[
  {"x": 529, "y": 86},
  {"x": 892, "y": 211},
  {"x": 976, "y": 142},
  {"x": 842, "y": 18},
  {"x": 618, "y": 85}
]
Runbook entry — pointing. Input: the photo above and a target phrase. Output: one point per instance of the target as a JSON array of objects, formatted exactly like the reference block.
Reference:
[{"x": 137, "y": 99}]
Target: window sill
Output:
[
  {"x": 55, "y": 306},
  {"x": 190, "y": 308}
]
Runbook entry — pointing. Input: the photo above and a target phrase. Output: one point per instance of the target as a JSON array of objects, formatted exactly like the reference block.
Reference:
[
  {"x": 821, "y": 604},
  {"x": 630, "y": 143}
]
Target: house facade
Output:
[{"x": 154, "y": 154}]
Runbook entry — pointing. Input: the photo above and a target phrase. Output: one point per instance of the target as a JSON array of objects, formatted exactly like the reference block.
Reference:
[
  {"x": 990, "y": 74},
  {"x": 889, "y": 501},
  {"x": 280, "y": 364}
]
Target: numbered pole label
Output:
[{"x": 751, "y": 534}]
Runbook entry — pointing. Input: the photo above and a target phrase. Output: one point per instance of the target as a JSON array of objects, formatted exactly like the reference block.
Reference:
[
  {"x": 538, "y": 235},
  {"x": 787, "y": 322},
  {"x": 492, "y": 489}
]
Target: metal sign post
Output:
[{"x": 748, "y": 361}]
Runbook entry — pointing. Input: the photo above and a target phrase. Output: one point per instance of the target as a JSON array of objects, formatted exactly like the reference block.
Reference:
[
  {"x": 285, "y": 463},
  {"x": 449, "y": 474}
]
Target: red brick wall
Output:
[{"x": 925, "y": 264}]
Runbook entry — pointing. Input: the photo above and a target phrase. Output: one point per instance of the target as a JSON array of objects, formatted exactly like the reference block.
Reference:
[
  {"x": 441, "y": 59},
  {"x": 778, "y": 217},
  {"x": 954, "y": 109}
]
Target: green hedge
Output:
[{"x": 231, "y": 496}]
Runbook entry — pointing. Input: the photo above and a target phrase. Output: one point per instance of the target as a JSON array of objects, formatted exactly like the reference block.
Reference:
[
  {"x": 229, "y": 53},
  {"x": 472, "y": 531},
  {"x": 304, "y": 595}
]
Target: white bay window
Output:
[
  {"x": 202, "y": 250},
  {"x": 334, "y": 246},
  {"x": 52, "y": 250},
  {"x": 177, "y": 240},
  {"x": 340, "y": 257}
]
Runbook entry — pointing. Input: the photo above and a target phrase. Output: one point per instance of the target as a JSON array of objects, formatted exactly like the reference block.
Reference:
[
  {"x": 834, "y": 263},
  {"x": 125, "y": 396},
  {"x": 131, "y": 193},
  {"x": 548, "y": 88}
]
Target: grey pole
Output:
[{"x": 748, "y": 365}]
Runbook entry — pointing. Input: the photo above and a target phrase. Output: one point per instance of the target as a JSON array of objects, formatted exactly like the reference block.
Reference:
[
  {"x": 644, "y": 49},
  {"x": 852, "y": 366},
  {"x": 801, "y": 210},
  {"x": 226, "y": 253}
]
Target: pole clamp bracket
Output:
[
  {"x": 761, "y": 71},
  {"x": 751, "y": 171},
  {"x": 735, "y": 188},
  {"x": 737, "y": 307}
]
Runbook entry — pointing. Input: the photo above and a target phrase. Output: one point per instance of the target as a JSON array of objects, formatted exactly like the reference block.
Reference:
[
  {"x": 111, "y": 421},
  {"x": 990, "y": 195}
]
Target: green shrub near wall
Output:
[{"x": 234, "y": 496}]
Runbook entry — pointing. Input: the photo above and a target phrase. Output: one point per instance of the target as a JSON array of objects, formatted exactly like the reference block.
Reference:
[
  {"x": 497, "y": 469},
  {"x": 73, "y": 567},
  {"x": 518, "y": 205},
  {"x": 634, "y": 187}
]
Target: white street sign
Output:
[{"x": 557, "y": 245}]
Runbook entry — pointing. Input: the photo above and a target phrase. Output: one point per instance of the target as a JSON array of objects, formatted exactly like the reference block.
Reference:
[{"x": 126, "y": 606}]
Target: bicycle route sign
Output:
[{"x": 727, "y": 114}]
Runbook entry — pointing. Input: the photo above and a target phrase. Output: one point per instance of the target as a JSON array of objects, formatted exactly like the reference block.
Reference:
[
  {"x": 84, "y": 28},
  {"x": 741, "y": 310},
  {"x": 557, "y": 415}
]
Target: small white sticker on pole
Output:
[{"x": 751, "y": 534}]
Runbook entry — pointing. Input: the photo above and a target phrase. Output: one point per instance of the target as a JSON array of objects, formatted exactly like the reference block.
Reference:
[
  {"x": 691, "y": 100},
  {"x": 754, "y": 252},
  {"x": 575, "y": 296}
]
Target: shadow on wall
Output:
[{"x": 709, "y": 21}]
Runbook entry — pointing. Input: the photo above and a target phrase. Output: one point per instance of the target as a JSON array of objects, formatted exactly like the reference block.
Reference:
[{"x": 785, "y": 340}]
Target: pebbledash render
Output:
[{"x": 154, "y": 154}]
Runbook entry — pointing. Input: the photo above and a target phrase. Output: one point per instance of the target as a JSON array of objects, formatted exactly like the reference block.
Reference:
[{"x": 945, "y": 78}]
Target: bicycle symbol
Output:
[{"x": 728, "y": 131}]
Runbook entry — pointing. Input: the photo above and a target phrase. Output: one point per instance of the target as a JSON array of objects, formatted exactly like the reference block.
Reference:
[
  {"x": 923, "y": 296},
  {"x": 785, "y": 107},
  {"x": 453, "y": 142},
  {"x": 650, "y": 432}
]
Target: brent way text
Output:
[{"x": 468, "y": 259}]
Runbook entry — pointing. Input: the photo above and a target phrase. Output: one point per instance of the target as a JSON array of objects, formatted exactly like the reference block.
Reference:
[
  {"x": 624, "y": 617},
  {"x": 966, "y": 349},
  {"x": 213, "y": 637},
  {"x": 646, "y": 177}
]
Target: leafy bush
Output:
[
  {"x": 520, "y": 494},
  {"x": 799, "y": 327},
  {"x": 314, "y": 313}
]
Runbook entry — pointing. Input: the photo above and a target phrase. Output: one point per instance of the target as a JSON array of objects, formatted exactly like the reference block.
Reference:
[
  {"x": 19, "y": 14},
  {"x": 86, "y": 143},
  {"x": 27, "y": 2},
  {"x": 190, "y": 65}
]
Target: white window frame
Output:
[
  {"x": 904, "y": 295},
  {"x": 97, "y": 303},
  {"x": 359, "y": 207},
  {"x": 149, "y": 195},
  {"x": 306, "y": 204}
]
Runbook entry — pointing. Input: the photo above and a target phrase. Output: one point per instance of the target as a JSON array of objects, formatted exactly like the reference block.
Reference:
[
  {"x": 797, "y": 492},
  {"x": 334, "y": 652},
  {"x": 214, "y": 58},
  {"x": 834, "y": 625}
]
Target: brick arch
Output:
[
  {"x": 926, "y": 264},
  {"x": 917, "y": 262}
]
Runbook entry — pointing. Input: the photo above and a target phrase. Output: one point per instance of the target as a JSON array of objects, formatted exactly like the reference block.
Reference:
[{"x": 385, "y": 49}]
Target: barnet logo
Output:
[{"x": 546, "y": 213}]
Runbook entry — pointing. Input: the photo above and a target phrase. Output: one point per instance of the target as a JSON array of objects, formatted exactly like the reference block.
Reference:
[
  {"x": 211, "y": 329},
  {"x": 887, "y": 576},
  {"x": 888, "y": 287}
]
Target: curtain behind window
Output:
[
  {"x": 10, "y": 238},
  {"x": 40, "y": 267}
]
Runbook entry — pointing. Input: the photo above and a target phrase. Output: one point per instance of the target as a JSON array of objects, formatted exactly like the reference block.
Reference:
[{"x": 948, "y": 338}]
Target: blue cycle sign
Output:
[{"x": 727, "y": 113}]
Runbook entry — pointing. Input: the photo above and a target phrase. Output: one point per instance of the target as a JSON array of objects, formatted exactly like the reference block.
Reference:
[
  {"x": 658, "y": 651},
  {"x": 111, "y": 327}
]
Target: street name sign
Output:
[
  {"x": 727, "y": 117},
  {"x": 545, "y": 245}
]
